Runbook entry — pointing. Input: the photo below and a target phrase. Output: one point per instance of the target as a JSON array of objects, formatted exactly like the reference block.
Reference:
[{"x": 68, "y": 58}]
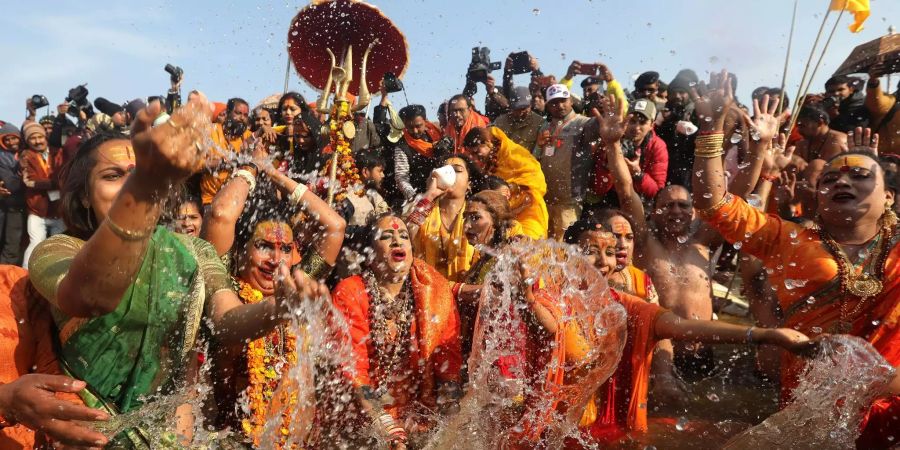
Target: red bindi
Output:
[{"x": 395, "y": 225}]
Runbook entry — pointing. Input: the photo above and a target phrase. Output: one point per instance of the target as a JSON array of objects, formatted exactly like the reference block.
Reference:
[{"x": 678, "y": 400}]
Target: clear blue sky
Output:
[{"x": 236, "y": 48}]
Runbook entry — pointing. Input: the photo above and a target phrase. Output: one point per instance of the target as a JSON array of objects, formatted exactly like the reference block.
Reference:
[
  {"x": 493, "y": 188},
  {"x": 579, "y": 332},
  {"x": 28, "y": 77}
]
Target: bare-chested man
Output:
[{"x": 820, "y": 143}]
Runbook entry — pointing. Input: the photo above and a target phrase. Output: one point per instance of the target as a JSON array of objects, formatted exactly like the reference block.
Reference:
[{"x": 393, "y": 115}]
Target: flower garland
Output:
[
  {"x": 347, "y": 173},
  {"x": 268, "y": 359}
]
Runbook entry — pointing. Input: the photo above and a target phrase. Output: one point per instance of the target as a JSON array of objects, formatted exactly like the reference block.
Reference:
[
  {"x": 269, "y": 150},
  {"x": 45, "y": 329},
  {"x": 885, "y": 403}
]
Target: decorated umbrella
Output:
[
  {"x": 337, "y": 25},
  {"x": 884, "y": 50}
]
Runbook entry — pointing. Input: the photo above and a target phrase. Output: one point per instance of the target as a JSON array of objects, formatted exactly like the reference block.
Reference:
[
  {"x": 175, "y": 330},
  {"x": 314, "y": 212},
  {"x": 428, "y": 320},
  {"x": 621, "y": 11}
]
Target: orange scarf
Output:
[
  {"x": 473, "y": 121},
  {"x": 422, "y": 146}
]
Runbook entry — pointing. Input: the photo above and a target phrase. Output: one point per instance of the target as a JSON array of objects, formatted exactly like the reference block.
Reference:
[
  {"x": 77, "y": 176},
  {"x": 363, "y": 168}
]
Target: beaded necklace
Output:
[{"x": 389, "y": 325}]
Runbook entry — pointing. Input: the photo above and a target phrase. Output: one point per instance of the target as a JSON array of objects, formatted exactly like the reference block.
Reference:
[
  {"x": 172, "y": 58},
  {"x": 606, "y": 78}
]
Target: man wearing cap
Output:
[
  {"x": 414, "y": 157},
  {"x": 521, "y": 124},
  {"x": 12, "y": 196},
  {"x": 39, "y": 169},
  {"x": 679, "y": 140},
  {"x": 645, "y": 155},
  {"x": 557, "y": 142}
]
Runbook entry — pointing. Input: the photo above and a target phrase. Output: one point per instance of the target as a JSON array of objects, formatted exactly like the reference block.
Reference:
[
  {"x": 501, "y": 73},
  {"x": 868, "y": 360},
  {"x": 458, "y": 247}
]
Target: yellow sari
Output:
[
  {"x": 448, "y": 252},
  {"x": 516, "y": 165}
]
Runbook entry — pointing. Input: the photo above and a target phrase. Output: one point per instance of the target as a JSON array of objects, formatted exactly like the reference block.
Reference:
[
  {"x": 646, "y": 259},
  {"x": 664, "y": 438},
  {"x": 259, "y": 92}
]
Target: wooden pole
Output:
[
  {"x": 287, "y": 71},
  {"x": 812, "y": 52},
  {"x": 787, "y": 57},
  {"x": 816, "y": 68}
]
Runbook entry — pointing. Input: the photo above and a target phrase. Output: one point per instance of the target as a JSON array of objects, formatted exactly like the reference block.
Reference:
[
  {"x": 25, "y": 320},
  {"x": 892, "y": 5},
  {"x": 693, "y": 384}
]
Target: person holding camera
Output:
[
  {"x": 848, "y": 100},
  {"x": 40, "y": 169}
]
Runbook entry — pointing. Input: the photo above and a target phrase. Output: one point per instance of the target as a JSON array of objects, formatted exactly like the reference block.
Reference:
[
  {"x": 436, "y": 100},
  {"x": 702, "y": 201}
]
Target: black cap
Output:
[
  {"x": 107, "y": 107},
  {"x": 589, "y": 81},
  {"x": 645, "y": 79}
]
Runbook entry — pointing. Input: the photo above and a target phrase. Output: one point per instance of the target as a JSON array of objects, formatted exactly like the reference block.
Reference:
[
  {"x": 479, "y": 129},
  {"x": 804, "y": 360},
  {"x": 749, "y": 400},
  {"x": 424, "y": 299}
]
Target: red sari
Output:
[{"x": 435, "y": 351}]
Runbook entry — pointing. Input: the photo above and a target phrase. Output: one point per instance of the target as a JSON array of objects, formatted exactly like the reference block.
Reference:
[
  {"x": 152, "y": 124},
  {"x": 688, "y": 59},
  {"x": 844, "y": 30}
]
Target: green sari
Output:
[{"x": 145, "y": 346}]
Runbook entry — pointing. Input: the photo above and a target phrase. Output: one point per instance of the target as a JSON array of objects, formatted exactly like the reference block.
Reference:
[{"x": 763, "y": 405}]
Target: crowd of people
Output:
[{"x": 129, "y": 233}]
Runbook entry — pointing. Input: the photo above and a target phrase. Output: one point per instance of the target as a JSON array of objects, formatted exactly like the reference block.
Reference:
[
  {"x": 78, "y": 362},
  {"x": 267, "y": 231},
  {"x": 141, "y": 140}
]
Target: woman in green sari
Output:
[{"x": 127, "y": 295}]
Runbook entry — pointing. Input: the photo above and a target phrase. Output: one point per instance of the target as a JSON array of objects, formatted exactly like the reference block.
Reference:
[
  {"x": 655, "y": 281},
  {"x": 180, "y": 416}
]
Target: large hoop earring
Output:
[{"x": 889, "y": 217}]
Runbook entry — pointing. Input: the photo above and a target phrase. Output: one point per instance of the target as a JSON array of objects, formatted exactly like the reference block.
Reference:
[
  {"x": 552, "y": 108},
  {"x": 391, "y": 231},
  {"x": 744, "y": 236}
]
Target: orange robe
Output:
[
  {"x": 805, "y": 276},
  {"x": 435, "y": 355},
  {"x": 26, "y": 345},
  {"x": 212, "y": 181},
  {"x": 622, "y": 400}
]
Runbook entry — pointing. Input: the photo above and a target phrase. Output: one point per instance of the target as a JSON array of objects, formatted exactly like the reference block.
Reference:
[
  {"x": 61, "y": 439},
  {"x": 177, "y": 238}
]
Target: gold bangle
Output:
[
  {"x": 128, "y": 235},
  {"x": 707, "y": 212},
  {"x": 314, "y": 265},
  {"x": 715, "y": 154}
]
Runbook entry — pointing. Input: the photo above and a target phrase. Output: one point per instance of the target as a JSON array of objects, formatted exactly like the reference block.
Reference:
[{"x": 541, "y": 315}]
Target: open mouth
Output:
[
  {"x": 843, "y": 197},
  {"x": 267, "y": 273},
  {"x": 398, "y": 255},
  {"x": 621, "y": 258}
]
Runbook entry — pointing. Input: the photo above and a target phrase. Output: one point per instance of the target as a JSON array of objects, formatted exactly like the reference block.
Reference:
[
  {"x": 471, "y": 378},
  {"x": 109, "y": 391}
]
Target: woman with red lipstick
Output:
[
  {"x": 252, "y": 230},
  {"x": 404, "y": 331}
]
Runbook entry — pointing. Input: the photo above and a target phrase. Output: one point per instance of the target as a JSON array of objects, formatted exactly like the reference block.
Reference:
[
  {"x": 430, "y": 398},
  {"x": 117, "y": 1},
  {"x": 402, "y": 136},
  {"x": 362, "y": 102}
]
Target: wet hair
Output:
[
  {"x": 262, "y": 206},
  {"x": 368, "y": 159},
  {"x": 814, "y": 112},
  {"x": 477, "y": 136},
  {"x": 498, "y": 207},
  {"x": 233, "y": 102},
  {"x": 494, "y": 182},
  {"x": 581, "y": 226},
  {"x": 605, "y": 215},
  {"x": 410, "y": 112},
  {"x": 80, "y": 221}
]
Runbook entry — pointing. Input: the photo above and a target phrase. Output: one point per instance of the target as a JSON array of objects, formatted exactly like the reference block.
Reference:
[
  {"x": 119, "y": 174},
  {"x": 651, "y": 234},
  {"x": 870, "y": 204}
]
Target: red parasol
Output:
[{"x": 337, "y": 24}]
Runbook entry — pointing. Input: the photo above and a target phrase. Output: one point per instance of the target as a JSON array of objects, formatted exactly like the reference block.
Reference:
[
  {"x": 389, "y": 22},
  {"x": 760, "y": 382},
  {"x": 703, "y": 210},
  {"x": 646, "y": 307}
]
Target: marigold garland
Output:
[
  {"x": 347, "y": 173},
  {"x": 265, "y": 367}
]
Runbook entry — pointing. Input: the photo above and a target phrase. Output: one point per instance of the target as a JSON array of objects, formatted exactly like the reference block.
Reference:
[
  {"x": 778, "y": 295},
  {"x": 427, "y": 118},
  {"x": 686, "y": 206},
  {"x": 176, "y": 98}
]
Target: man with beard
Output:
[
  {"x": 675, "y": 127},
  {"x": 414, "y": 157},
  {"x": 228, "y": 137},
  {"x": 12, "y": 196},
  {"x": 521, "y": 124},
  {"x": 462, "y": 117},
  {"x": 40, "y": 168},
  {"x": 849, "y": 103}
]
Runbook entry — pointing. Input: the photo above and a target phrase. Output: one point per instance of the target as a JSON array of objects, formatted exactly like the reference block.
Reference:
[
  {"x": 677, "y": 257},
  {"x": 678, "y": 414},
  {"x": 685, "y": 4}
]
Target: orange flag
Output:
[{"x": 859, "y": 8}]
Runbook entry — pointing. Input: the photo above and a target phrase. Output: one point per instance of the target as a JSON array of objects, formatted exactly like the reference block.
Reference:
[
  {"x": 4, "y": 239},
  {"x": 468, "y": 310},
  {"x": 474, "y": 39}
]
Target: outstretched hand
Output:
[
  {"x": 31, "y": 401},
  {"x": 611, "y": 126},
  {"x": 863, "y": 140},
  {"x": 173, "y": 151},
  {"x": 713, "y": 100},
  {"x": 790, "y": 340}
]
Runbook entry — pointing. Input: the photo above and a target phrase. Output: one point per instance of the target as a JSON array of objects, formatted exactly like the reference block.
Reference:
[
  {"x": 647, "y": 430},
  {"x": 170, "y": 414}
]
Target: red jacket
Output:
[
  {"x": 44, "y": 175},
  {"x": 654, "y": 165}
]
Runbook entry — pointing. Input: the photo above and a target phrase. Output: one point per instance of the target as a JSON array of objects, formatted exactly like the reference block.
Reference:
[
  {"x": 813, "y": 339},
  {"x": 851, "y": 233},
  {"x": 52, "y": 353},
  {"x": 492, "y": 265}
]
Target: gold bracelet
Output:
[
  {"x": 128, "y": 235},
  {"x": 314, "y": 265},
  {"x": 715, "y": 154},
  {"x": 707, "y": 212}
]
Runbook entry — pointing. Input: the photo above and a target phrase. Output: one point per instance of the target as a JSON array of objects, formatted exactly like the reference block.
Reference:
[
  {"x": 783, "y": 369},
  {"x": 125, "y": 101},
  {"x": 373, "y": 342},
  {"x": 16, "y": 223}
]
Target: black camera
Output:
[
  {"x": 392, "y": 83},
  {"x": 521, "y": 63},
  {"x": 481, "y": 64},
  {"x": 39, "y": 101},
  {"x": 78, "y": 101},
  {"x": 175, "y": 73}
]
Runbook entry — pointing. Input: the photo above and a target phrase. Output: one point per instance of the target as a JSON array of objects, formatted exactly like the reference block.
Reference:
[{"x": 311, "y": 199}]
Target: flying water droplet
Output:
[
  {"x": 681, "y": 424},
  {"x": 736, "y": 137}
]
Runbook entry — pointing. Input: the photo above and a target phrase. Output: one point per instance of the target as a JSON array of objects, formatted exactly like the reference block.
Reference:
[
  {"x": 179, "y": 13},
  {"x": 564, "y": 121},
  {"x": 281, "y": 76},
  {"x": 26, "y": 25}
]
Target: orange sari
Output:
[
  {"x": 435, "y": 355},
  {"x": 808, "y": 290}
]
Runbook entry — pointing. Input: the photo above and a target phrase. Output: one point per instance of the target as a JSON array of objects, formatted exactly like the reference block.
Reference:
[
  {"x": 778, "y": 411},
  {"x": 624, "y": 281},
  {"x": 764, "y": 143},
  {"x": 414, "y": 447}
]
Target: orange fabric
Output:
[
  {"x": 26, "y": 344},
  {"x": 623, "y": 399},
  {"x": 797, "y": 254},
  {"x": 212, "y": 181},
  {"x": 422, "y": 146},
  {"x": 218, "y": 108},
  {"x": 473, "y": 121},
  {"x": 436, "y": 354}
]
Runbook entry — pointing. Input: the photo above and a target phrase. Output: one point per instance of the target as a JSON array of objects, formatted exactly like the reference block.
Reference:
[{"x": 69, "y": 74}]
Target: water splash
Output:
[
  {"x": 834, "y": 392},
  {"x": 497, "y": 408}
]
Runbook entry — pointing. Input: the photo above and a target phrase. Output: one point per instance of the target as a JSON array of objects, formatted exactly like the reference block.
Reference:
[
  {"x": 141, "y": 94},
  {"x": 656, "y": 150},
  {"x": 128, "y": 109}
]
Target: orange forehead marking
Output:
[
  {"x": 273, "y": 232},
  {"x": 846, "y": 163}
]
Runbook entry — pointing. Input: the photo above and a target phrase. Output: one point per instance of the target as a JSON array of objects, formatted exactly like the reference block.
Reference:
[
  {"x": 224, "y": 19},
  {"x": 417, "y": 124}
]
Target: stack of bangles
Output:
[
  {"x": 420, "y": 212},
  {"x": 314, "y": 265},
  {"x": 709, "y": 145},
  {"x": 394, "y": 431}
]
